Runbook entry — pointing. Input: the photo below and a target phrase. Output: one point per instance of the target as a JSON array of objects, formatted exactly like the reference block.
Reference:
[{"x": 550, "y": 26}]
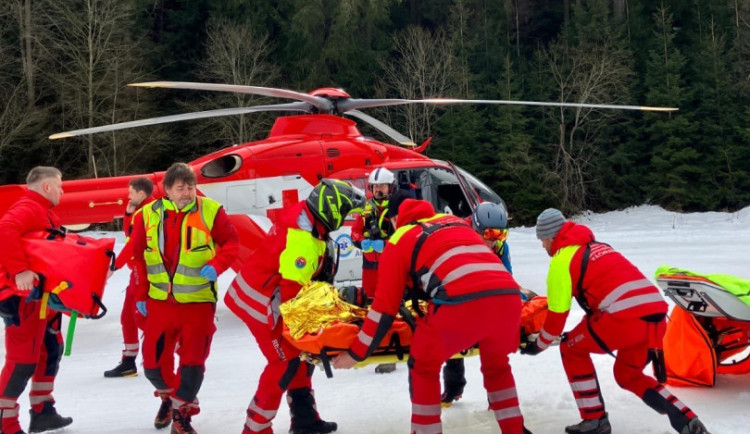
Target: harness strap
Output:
[
  {"x": 427, "y": 230},
  {"x": 581, "y": 299}
]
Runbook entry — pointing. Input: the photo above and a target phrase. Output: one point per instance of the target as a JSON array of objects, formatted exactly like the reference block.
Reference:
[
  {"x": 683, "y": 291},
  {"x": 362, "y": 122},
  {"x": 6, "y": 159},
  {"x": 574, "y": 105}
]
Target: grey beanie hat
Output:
[{"x": 548, "y": 223}]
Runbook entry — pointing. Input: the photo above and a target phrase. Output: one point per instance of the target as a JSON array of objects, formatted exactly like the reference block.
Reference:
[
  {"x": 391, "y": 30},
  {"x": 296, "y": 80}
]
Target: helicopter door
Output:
[{"x": 438, "y": 186}]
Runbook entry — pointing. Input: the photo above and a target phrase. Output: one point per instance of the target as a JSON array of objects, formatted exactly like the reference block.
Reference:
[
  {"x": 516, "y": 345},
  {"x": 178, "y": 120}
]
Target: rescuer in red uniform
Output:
[
  {"x": 139, "y": 190},
  {"x": 472, "y": 298},
  {"x": 181, "y": 244},
  {"x": 372, "y": 227},
  {"x": 288, "y": 258},
  {"x": 624, "y": 312},
  {"x": 33, "y": 343},
  {"x": 370, "y": 231}
]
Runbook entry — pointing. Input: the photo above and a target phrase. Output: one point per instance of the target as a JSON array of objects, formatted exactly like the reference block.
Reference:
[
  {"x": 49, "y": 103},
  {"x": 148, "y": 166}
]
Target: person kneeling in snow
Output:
[
  {"x": 472, "y": 298},
  {"x": 624, "y": 312}
]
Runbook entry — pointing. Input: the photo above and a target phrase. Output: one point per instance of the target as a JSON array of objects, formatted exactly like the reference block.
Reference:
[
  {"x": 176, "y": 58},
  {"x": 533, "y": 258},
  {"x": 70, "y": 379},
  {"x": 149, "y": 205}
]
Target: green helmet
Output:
[{"x": 332, "y": 199}]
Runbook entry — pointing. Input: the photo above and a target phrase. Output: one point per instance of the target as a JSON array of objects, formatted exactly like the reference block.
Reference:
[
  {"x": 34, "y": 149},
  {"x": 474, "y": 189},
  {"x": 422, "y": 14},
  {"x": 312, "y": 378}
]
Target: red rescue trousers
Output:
[
  {"x": 169, "y": 324},
  {"x": 33, "y": 351},
  {"x": 630, "y": 338},
  {"x": 493, "y": 322},
  {"x": 130, "y": 320},
  {"x": 284, "y": 371},
  {"x": 369, "y": 281}
]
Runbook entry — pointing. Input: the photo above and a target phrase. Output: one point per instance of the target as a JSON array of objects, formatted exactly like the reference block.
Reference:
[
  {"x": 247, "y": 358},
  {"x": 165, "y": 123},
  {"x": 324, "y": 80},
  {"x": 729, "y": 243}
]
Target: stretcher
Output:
[
  {"x": 320, "y": 346},
  {"x": 708, "y": 332}
]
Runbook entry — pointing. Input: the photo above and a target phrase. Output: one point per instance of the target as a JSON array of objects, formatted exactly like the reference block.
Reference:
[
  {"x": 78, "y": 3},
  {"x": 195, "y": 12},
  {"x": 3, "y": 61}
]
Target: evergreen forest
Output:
[{"x": 65, "y": 64}]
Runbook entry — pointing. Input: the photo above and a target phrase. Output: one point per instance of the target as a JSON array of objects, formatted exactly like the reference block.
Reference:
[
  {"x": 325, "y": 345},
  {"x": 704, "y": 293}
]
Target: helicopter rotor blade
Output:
[
  {"x": 354, "y": 104},
  {"x": 295, "y": 106},
  {"x": 321, "y": 104},
  {"x": 383, "y": 128}
]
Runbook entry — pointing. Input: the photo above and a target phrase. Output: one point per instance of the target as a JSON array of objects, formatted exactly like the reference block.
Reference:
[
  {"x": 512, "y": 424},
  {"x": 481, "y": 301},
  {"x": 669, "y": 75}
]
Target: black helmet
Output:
[
  {"x": 332, "y": 199},
  {"x": 489, "y": 215}
]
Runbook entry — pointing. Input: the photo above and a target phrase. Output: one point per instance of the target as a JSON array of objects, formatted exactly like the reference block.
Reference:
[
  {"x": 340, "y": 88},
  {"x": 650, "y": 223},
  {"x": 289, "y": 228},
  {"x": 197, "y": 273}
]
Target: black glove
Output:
[
  {"x": 9, "y": 310},
  {"x": 530, "y": 347}
]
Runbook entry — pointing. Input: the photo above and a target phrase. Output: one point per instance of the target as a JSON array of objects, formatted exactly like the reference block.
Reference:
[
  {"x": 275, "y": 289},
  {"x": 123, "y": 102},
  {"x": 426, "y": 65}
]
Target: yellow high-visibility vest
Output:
[{"x": 196, "y": 249}]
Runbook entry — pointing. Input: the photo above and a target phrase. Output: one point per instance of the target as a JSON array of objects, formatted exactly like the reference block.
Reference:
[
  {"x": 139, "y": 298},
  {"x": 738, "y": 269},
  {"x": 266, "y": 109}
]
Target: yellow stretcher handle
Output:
[{"x": 45, "y": 298}]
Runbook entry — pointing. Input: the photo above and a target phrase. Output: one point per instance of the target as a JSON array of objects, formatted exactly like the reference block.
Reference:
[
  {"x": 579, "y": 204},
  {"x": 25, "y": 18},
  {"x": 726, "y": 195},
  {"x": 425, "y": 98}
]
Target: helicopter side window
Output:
[
  {"x": 451, "y": 200},
  {"x": 439, "y": 187},
  {"x": 222, "y": 166}
]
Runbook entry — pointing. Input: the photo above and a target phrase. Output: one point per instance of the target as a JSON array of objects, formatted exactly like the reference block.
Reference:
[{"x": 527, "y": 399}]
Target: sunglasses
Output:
[{"x": 494, "y": 234}]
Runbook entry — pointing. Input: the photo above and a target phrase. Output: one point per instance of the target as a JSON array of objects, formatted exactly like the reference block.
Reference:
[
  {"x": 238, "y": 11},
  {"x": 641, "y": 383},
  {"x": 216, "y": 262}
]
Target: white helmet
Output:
[{"x": 381, "y": 175}]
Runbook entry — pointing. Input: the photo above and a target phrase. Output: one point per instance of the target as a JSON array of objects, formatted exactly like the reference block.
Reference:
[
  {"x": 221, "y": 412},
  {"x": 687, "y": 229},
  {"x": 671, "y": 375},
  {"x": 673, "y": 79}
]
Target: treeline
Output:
[{"x": 64, "y": 64}]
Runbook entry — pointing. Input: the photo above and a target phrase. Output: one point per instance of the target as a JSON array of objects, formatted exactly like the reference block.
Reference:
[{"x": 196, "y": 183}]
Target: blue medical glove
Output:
[
  {"x": 378, "y": 245},
  {"x": 366, "y": 245},
  {"x": 141, "y": 306},
  {"x": 209, "y": 272}
]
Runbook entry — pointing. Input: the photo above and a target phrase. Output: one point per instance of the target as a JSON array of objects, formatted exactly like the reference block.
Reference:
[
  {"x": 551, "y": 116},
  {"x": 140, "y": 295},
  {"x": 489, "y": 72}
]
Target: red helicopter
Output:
[{"x": 255, "y": 180}]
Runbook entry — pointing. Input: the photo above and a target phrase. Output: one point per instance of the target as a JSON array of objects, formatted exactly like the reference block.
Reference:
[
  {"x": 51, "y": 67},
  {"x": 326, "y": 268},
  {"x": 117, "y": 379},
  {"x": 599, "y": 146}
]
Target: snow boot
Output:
[
  {"x": 164, "y": 415},
  {"x": 181, "y": 421},
  {"x": 695, "y": 426},
  {"x": 126, "y": 368},
  {"x": 454, "y": 382},
  {"x": 682, "y": 422},
  {"x": 591, "y": 426},
  {"x": 385, "y": 368},
  {"x": 47, "y": 419},
  {"x": 305, "y": 418}
]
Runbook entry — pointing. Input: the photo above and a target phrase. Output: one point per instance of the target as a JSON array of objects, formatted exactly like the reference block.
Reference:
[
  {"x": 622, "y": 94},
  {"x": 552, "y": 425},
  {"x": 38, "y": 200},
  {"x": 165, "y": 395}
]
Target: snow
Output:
[{"x": 364, "y": 402}]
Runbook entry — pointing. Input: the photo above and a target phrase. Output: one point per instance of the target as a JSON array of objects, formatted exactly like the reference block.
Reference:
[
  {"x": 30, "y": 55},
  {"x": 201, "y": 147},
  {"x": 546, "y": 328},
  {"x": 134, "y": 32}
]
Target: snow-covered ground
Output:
[{"x": 364, "y": 402}]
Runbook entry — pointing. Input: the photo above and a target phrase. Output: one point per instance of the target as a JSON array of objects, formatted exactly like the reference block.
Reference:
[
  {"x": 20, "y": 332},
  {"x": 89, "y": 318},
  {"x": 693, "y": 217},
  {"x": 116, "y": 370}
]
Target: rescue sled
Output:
[
  {"x": 334, "y": 336},
  {"x": 708, "y": 332}
]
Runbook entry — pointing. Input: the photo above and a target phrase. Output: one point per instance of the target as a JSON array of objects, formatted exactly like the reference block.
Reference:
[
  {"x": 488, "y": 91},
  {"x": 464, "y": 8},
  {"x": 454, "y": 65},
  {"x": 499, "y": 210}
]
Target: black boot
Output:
[
  {"x": 181, "y": 422},
  {"x": 47, "y": 419},
  {"x": 164, "y": 415},
  {"x": 454, "y": 381},
  {"x": 695, "y": 426},
  {"x": 305, "y": 418},
  {"x": 677, "y": 419},
  {"x": 591, "y": 426},
  {"x": 126, "y": 368}
]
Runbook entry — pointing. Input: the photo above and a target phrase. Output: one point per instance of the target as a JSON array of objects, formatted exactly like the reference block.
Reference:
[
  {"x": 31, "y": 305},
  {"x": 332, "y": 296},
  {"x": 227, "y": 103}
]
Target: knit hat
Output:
[
  {"x": 397, "y": 198},
  {"x": 548, "y": 223}
]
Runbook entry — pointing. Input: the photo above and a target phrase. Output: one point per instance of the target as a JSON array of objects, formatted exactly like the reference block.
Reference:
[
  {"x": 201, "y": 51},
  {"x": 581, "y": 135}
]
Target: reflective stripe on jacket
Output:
[{"x": 196, "y": 249}]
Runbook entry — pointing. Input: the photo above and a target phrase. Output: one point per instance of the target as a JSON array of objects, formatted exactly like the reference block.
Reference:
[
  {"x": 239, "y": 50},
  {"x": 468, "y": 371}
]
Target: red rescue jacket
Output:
[
  {"x": 223, "y": 234},
  {"x": 453, "y": 265},
  {"x": 30, "y": 213},
  {"x": 611, "y": 285},
  {"x": 371, "y": 217},
  {"x": 126, "y": 254},
  {"x": 289, "y": 257}
]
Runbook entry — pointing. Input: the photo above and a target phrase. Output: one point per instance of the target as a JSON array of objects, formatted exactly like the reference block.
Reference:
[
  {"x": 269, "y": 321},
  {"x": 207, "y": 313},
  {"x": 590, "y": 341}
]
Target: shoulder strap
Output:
[
  {"x": 581, "y": 298},
  {"x": 427, "y": 230},
  {"x": 580, "y": 293}
]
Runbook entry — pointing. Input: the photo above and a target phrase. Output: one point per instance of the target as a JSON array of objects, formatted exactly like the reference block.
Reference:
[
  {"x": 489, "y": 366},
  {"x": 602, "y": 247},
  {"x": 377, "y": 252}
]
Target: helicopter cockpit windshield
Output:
[{"x": 440, "y": 187}]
